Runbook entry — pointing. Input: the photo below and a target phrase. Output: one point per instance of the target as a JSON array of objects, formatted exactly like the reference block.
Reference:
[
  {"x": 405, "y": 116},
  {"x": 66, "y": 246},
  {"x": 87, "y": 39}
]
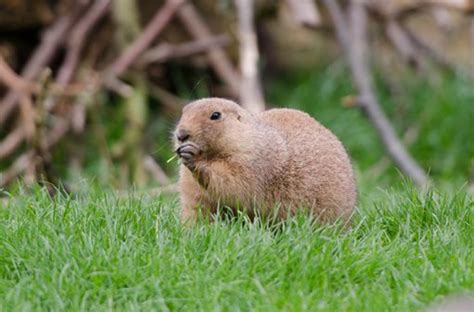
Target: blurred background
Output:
[{"x": 91, "y": 90}]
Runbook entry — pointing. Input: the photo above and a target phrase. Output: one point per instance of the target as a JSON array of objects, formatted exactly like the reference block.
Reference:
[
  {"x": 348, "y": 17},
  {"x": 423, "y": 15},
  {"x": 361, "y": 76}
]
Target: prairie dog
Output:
[{"x": 279, "y": 159}]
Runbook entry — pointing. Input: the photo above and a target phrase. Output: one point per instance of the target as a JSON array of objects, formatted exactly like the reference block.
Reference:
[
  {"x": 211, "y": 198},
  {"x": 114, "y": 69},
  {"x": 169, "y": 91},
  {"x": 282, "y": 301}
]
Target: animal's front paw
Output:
[{"x": 188, "y": 152}]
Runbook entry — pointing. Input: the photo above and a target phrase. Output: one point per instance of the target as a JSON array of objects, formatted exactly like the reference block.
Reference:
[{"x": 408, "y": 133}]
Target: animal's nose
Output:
[{"x": 182, "y": 135}]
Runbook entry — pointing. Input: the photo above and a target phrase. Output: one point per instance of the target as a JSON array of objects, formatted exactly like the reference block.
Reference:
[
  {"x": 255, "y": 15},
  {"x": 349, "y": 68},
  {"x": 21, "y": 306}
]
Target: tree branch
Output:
[
  {"x": 77, "y": 38},
  {"x": 401, "y": 9},
  {"x": 21, "y": 164},
  {"x": 11, "y": 142},
  {"x": 251, "y": 95},
  {"x": 154, "y": 27},
  {"x": 12, "y": 80},
  {"x": 339, "y": 20},
  {"x": 75, "y": 44},
  {"x": 424, "y": 47},
  {"x": 48, "y": 48},
  {"x": 165, "y": 51},
  {"x": 305, "y": 12},
  {"x": 403, "y": 43},
  {"x": 218, "y": 59},
  {"x": 357, "y": 55}
]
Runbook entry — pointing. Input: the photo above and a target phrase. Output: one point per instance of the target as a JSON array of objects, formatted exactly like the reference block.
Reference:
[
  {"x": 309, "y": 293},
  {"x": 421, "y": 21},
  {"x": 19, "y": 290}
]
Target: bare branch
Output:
[
  {"x": 154, "y": 27},
  {"x": 12, "y": 80},
  {"x": 60, "y": 129},
  {"x": 401, "y": 9},
  {"x": 30, "y": 159},
  {"x": 169, "y": 100},
  {"x": 22, "y": 86},
  {"x": 165, "y": 51},
  {"x": 50, "y": 43},
  {"x": 11, "y": 142},
  {"x": 75, "y": 44},
  {"x": 463, "y": 5},
  {"x": 432, "y": 53},
  {"x": 27, "y": 116},
  {"x": 339, "y": 20},
  {"x": 251, "y": 95},
  {"x": 403, "y": 43},
  {"x": 305, "y": 12},
  {"x": 218, "y": 59},
  {"x": 118, "y": 86},
  {"x": 356, "y": 52},
  {"x": 20, "y": 165},
  {"x": 76, "y": 40}
]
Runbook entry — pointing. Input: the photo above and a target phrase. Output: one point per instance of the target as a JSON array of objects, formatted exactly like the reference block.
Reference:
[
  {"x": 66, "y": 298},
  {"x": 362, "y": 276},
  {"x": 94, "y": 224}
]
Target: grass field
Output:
[
  {"x": 96, "y": 251},
  {"x": 100, "y": 252}
]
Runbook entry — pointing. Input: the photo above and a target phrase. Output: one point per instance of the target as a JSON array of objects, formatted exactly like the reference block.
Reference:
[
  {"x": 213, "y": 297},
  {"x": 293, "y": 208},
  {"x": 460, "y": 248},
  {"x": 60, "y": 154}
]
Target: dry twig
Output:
[
  {"x": 166, "y": 51},
  {"x": 305, "y": 12},
  {"x": 251, "y": 95},
  {"x": 12, "y": 80},
  {"x": 170, "y": 101},
  {"x": 21, "y": 164},
  {"x": 27, "y": 116},
  {"x": 29, "y": 158},
  {"x": 425, "y": 48},
  {"x": 50, "y": 43},
  {"x": 76, "y": 41},
  {"x": 356, "y": 52},
  {"x": 154, "y": 27},
  {"x": 24, "y": 87},
  {"x": 403, "y": 43},
  {"x": 65, "y": 75},
  {"x": 11, "y": 142},
  {"x": 218, "y": 59},
  {"x": 402, "y": 9}
]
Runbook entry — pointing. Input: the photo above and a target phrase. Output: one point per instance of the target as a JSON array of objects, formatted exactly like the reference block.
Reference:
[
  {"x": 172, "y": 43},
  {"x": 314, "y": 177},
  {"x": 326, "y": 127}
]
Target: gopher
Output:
[{"x": 272, "y": 163}]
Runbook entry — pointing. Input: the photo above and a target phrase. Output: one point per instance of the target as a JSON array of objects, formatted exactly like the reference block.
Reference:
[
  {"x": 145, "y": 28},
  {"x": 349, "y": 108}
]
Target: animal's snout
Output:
[{"x": 182, "y": 135}]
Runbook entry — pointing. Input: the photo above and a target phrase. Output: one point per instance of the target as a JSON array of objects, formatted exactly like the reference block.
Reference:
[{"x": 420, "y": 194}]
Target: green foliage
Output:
[
  {"x": 440, "y": 113},
  {"x": 99, "y": 251}
]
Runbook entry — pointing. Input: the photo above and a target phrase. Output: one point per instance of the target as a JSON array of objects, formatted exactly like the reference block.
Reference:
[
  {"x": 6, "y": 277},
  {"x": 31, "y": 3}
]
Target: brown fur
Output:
[{"x": 279, "y": 158}]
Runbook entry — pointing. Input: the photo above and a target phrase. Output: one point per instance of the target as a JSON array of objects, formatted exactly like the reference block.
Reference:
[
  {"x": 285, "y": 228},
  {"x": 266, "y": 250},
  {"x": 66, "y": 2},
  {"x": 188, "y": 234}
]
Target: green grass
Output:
[{"x": 97, "y": 251}]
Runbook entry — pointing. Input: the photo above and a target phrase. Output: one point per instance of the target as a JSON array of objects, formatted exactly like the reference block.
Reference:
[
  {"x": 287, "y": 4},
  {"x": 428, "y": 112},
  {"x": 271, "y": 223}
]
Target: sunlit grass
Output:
[
  {"x": 95, "y": 250},
  {"x": 100, "y": 251}
]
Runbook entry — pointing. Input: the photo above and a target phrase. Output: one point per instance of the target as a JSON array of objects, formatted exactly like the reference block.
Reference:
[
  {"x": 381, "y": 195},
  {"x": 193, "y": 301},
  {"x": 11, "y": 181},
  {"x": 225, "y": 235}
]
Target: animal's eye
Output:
[{"x": 215, "y": 116}]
